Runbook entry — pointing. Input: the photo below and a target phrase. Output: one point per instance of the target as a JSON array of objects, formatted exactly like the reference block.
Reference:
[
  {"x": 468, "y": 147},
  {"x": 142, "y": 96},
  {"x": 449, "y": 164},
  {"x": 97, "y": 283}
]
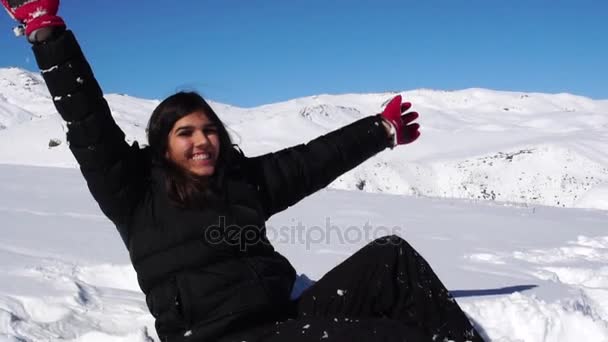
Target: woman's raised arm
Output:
[
  {"x": 113, "y": 169},
  {"x": 287, "y": 176}
]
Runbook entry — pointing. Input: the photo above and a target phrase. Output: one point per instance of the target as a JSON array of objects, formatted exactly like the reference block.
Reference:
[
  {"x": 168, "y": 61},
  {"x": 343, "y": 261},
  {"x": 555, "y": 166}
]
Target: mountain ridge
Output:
[{"x": 470, "y": 146}]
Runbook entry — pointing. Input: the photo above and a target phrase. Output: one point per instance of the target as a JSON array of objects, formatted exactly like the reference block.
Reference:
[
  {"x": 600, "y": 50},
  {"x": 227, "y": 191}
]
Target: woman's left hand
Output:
[{"x": 399, "y": 126}]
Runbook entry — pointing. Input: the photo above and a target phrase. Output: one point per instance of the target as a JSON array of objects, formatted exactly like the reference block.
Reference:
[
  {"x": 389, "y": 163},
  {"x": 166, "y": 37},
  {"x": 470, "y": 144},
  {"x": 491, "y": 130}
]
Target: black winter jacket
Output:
[{"x": 199, "y": 284}]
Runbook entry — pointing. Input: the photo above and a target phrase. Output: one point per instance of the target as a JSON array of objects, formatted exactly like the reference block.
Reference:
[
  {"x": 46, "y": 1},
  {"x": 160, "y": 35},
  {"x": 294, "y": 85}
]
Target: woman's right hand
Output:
[{"x": 34, "y": 15}]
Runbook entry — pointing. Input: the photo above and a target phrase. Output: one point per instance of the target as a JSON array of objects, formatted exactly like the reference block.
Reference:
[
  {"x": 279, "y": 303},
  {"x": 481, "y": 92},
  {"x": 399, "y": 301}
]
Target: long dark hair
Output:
[{"x": 183, "y": 187}]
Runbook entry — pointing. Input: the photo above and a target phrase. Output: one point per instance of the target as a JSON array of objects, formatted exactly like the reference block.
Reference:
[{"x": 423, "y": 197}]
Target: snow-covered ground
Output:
[
  {"x": 522, "y": 273},
  {"x": 504, "y": 184}
]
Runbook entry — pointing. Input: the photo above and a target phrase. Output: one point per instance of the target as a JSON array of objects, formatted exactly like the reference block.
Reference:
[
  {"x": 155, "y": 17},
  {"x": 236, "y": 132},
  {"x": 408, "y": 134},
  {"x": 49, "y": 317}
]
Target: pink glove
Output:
[
  {"x": 404, "y": 132},
  {"x": 34, "y": 14}
]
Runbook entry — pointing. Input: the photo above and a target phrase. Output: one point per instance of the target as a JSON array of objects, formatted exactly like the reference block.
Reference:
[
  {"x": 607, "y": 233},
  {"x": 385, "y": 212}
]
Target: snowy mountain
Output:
[{"x": 477, "y": 144}]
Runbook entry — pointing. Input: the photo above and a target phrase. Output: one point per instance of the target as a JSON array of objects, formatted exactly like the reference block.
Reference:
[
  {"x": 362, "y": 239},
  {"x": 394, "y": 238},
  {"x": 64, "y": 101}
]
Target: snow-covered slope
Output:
[
  {"x": 476, "y": 144},
  {"x": 521, "y": 274}
]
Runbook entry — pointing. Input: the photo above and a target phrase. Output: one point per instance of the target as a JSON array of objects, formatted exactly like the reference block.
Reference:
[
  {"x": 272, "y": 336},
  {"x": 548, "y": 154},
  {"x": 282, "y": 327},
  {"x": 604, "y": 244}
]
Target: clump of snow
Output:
[{"x": 520, "y": 317}]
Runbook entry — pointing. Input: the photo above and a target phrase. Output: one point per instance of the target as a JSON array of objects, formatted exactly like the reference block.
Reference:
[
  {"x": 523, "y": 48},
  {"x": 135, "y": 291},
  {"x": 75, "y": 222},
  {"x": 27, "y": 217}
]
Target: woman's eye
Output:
[{"x": 184, "y": 133}]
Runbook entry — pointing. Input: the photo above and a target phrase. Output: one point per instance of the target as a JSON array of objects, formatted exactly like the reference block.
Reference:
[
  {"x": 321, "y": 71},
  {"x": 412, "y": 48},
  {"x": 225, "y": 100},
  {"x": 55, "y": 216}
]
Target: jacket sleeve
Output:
[
  {"x": 287, "y": 176},
  {"x": 109, "y": 165}
]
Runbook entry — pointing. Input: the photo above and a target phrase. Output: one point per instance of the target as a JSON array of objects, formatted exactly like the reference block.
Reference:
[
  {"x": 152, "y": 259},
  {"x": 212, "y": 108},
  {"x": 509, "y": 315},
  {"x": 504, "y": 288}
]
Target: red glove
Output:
[
  {"x": 404, "y": 132},
  {"x": 34, "y": 14}
]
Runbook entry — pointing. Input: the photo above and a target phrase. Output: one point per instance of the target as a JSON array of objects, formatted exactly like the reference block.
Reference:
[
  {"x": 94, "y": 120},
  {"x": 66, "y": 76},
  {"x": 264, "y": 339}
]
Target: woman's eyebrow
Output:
[
  {"x": 181, "y": 128},
  {"x": 207, "y": 125}
]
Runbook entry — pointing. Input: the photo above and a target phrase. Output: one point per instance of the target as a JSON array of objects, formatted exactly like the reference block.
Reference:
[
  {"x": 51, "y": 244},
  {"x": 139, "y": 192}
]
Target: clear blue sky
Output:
[{"x": 249, "y": 52}]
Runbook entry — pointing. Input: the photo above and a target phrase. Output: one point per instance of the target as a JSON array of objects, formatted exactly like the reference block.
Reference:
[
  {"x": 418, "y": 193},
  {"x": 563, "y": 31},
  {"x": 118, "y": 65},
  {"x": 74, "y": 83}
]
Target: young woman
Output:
[{"x": 184, "y": 205}]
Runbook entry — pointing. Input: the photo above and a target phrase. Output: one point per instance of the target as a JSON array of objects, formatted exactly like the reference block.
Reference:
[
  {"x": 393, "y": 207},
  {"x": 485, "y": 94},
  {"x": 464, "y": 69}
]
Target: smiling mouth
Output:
[{"x": 201, "y": 156}]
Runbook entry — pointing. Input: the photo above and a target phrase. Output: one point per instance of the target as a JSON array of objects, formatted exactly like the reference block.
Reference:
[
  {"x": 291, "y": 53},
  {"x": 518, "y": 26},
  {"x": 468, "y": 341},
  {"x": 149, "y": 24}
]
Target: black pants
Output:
[{"x": 384, "y": 292}]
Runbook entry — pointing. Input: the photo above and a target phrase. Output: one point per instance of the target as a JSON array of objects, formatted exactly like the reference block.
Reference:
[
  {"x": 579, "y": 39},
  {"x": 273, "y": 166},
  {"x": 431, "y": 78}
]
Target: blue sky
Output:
[{"x": 248, "y": 53}]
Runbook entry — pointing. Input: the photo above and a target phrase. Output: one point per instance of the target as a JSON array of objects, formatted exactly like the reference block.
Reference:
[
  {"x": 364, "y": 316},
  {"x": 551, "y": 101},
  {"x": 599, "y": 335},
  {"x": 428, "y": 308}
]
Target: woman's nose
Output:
[{"x": 200, "y": 139}]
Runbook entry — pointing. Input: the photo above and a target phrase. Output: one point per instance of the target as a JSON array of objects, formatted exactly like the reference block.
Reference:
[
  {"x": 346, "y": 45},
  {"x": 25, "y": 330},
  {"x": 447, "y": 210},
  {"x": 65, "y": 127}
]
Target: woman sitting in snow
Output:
[{"x": 202, "y": 283}]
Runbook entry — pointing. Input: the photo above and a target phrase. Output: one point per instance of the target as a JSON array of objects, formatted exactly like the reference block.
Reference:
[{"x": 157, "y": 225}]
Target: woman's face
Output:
[{"x": 194, "y": 144}]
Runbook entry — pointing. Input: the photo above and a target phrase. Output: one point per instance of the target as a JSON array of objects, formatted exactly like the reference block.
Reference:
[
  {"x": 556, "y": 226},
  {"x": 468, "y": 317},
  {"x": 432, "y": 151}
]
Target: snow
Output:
[
  {"x": 508, "y": 206},
  {"x": 477, "y": 144},
  {"x": 596, "y": 198}
]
